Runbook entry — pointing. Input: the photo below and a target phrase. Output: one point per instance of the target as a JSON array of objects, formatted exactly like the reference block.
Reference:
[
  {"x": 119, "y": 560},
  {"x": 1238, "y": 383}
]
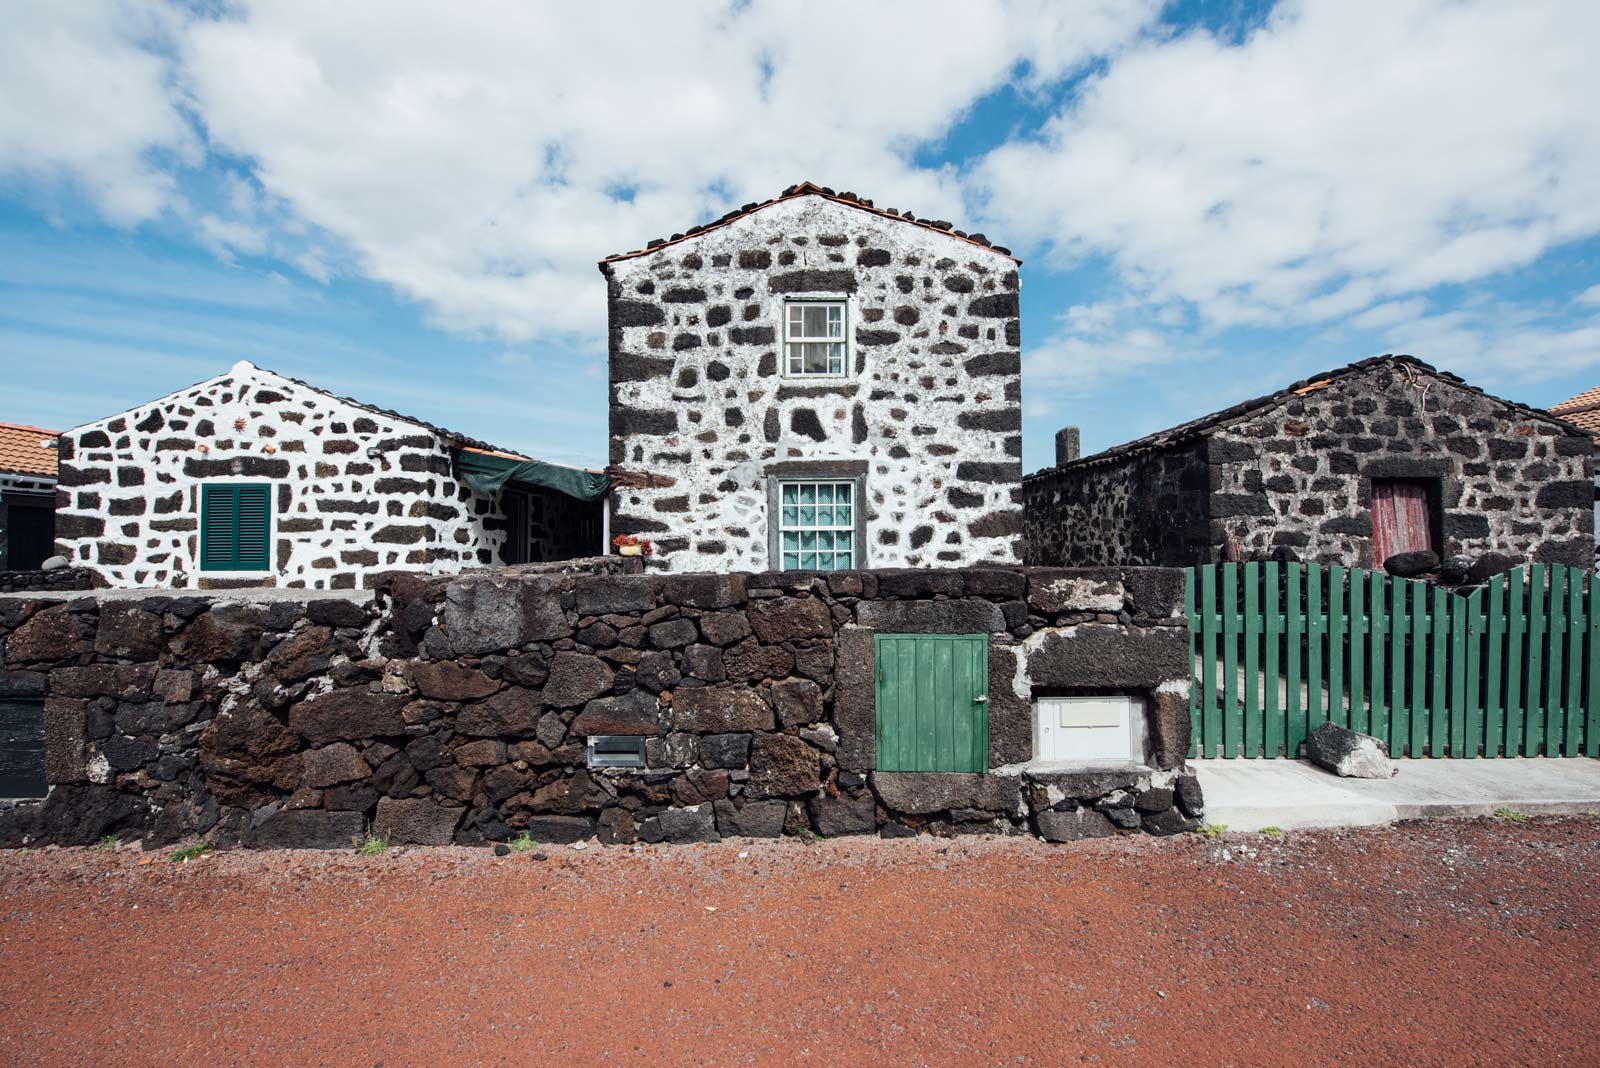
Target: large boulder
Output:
[
  {"x": 752, "y": 819},
  {"x": 127, "y": 631},
  {"x": 783, "y": 619},
  {"x": 924, "y": 792},
  {"x": 1412, "y": 564},
  {"x": 632, "y": 713},
  {"x": 225, "y": 634},
  {"x": 1348, "y": 753},
  {"x": 576, "y": 678},
  {"x": 350, "y": 713},
  {"x": 445, "y": 680},
  {"x": 486, "y": 615},
  {"x": 782, "y": 766},
  {"x": 305, "y": 828},
  {"x": 513, "y": 711},
  {"x": 416, "y": 821},
  {"x": 720, "y": 710},
  {"x": 835, "y": 816},
  {"x": 1074, "y": 825},
  {"x": 680, "y": 825}
]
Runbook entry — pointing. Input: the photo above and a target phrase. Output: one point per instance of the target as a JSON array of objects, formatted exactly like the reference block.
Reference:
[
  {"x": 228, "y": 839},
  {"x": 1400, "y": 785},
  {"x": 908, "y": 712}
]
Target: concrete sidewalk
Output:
[{"x": 1247, "y": 795}]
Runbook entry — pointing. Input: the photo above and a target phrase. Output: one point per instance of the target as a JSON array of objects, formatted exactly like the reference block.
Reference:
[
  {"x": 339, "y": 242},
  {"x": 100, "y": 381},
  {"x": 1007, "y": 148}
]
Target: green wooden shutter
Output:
[
  {"x": 235, "y": 524},
  {"x": 932, "y": 692}
]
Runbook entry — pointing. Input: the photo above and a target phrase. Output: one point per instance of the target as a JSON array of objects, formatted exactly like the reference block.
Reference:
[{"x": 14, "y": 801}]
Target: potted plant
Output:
[{"x": 629, "y": 545}]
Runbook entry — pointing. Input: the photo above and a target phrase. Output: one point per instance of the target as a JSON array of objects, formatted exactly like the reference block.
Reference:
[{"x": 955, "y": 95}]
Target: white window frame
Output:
[
  {"x": 849, "y": 529},
  {"x": 843, "y": 304}
]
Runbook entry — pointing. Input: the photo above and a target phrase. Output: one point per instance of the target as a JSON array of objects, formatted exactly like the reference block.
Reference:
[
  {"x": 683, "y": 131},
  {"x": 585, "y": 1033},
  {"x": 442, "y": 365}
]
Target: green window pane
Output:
[
  {"x": 808, "y": 539},
  {"x": 791, "y": 516},
  {"x": 791, "y": 540},
  {"x": 824, "y": 561},
  {"x": 841, "y": 515},
  {"x": 825, "y": 493},
  {"x": 791, "y": 561},
  {"x": 808, "y": 561},
  {"x": 808, "y": 493},
  {"x": 843, "y": 490},
  {"x": 841, "y": 561},
  {"x": 790, "y": 492},
  {"x": 825, "y": 517}
]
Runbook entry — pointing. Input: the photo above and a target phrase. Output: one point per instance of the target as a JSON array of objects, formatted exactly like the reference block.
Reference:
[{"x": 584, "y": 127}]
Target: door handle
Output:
[{"x": 981, "y": 699}]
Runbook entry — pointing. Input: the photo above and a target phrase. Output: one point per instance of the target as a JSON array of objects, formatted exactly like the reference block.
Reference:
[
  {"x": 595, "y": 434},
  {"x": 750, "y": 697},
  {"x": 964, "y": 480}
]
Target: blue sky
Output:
[{"x": 403, "y": 202}]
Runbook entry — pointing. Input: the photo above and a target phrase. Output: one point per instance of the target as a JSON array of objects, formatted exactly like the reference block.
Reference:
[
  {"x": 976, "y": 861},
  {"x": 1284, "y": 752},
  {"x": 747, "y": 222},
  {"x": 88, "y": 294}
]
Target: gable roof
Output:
[
  {"x": 809, "y": 189},
  {"x": 1207, "y": 424},
  {"x": 27, "y": 450},
  {"x": 1582, "y": 410},
  {"x": 245, "y": 368}
]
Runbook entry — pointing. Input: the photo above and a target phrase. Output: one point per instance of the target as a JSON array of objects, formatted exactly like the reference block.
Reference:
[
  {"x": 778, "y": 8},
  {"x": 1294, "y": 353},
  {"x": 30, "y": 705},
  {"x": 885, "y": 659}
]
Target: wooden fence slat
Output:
[
  {"x": 1494, "y": 723},
  {"x": 1231, "y": 741},
  {"x": 1195, "y": 689},
  {"x": 1358, "y": 651},
  {"x": 1337, "y": 712},
  {"x": 1577, "y": 624},
  {"x": 1399, "y": 629},
  {"x": 1438, "y": 673},
  {"x": 1516, "y": 635},
  {"x": 1272, "y": 714},
  {"x": 1252, "y": 660},
  {"x": 1317, "y": 631},
  {"x": 1555, "y": 686},
  {"x": 1458, "y": 676},
  {"x": 1378, "y": 724},
  {"x": 1417, "y": 703},
  {"x": 1472, "y": 675},
  {"x": 1591, "y": 719},
  {"x": 1533, "y": 702},
  {"x": 1211, "y": 716},
  {"x": 1294, "y": 634}
]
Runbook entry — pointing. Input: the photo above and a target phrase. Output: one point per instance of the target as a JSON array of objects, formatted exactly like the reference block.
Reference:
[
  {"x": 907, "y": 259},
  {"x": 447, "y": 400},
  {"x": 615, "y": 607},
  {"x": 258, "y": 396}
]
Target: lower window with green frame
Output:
[{"x": 235, "y": 526}]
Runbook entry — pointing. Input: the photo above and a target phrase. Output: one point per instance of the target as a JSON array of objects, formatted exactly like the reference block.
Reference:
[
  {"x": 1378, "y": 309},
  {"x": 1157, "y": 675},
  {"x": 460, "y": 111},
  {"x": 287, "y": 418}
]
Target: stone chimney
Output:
[{"x": 1066, "y": 445}]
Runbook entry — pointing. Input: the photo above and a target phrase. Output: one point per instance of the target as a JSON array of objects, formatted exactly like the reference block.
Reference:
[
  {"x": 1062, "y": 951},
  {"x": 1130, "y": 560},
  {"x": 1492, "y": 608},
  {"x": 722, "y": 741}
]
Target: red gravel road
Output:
[{"x": 1452, "y": 943}]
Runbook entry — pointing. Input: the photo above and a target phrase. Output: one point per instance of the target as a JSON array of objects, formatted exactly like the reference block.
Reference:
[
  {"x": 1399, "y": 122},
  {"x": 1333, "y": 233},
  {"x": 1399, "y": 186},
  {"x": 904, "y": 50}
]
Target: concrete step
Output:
[{"x": 1247, "y": 795}]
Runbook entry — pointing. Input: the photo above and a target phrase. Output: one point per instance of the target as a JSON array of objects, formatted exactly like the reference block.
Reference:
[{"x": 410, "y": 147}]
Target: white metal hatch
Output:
[{"x": 1099, "y": 729}]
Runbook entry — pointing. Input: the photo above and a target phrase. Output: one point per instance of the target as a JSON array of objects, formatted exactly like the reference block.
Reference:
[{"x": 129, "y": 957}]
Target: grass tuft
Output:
[
  {"x": 110, "y": 841},
  {"x": 523, "y": 843},
  {"x": 372, "y": 844},
  {"x": 1272, "y": 832},
  {"x": 1510, "y": 815},
  {"x": 1211, "y": 830},
  {"x": 190, "y": 852}
]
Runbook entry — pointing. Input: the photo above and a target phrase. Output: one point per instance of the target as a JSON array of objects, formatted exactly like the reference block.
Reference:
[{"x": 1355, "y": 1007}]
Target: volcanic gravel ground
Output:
[{"x": 1448, "y": 943}]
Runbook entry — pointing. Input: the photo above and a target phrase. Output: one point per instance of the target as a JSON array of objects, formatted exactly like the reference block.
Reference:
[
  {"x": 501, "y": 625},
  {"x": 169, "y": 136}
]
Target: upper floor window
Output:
[{"x": 814, "y": 338}]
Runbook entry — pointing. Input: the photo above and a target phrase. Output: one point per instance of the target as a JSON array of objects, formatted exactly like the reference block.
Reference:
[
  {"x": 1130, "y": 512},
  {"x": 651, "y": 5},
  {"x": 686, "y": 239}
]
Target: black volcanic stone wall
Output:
[{"x": 456, "y": 710}]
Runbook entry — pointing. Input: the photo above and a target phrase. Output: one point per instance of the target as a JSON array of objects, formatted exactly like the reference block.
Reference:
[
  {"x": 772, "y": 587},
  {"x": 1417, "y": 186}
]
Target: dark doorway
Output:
[
  {"x": 29, "y": 523},
  {"x": 1404, "y": 517},
  {"x": 22, "y": 749}
]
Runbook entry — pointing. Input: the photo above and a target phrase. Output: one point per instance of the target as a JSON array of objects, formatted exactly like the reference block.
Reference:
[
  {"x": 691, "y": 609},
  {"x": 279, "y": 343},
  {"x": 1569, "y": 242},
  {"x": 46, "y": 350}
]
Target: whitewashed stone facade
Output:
[
  {"x": 355, "y": 491},
  {"x": 926, "y": 416}
]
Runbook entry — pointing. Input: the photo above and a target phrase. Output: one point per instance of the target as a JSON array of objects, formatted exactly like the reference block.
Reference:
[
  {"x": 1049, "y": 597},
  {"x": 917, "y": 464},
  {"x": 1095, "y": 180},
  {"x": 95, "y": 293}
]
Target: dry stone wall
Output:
[
  {"x": 354, "y": 492},
  {"x": 929, "y": 413},
  {"x": 1133, "y": 510},
  {"x": 457, "y": 710}
]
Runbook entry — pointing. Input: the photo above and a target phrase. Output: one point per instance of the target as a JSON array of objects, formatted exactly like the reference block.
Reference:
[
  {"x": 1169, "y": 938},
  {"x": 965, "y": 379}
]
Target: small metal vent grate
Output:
[{"x": 616, "y": 751}]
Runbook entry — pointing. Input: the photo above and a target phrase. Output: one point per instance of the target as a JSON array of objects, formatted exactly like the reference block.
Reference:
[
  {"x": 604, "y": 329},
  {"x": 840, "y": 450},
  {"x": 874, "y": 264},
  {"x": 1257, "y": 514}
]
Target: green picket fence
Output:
[{"x": 1510, "y": 669}]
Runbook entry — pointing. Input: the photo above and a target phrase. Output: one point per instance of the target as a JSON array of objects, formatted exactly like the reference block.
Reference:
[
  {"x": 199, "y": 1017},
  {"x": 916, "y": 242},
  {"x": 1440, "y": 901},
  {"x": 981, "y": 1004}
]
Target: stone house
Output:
[
  {"x": 1584, "y": 412},
  {"x": 816, "y": 383},
  {"x": 27, "y": 496},
  {"x": 1353, "y": 466},
  {"x": 256, "y": 479}
]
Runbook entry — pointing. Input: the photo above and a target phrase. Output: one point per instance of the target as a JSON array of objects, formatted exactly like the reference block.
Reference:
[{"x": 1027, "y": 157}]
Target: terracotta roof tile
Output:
[
  {"x": 22, "y": 451},
  {"x": 1582, "y": 410},
  {"x": 810, "y": 189}
]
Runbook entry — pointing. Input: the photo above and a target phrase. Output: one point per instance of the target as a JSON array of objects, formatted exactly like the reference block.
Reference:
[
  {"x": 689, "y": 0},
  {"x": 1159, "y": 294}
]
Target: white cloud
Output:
[
  {"x": 1347, "y": 153},
  {"x": 86, "y": 100},
  {"x": 1590, "y": 295},
  {"x": 1500, "y": 344},
  {"x": 471, "y": 158}
]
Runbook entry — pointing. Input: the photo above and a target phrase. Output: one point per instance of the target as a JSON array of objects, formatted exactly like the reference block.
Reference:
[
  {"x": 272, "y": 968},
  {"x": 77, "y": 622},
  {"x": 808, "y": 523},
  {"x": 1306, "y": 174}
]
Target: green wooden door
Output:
[{"x": 932, "y": 699}]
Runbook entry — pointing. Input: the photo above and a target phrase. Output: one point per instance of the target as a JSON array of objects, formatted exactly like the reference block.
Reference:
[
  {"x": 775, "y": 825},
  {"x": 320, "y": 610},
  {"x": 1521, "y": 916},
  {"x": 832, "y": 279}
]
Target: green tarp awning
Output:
[{"x": 488, "y": 474}]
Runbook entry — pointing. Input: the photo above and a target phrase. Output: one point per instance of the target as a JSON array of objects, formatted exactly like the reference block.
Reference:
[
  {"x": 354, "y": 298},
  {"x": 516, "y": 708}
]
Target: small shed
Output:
[
  {"x": 27, "y": 496},
  {"x": 1384, "y": 456},
  {"x": 253, "y": 478}
]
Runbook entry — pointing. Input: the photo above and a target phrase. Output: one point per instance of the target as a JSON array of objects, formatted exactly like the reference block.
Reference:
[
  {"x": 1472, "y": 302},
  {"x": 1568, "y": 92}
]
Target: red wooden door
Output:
[{"x": 1400, "y": 521}]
